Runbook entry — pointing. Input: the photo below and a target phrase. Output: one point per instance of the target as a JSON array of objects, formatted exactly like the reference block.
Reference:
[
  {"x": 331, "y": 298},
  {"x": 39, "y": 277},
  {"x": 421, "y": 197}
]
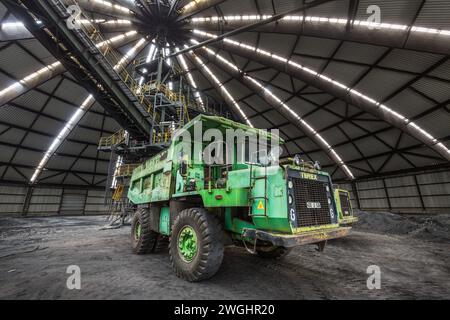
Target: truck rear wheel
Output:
[
  {"x": 196, "y": 247},
  {"x": 143, "y": 239},
  {"x": 273, "y": 252}
]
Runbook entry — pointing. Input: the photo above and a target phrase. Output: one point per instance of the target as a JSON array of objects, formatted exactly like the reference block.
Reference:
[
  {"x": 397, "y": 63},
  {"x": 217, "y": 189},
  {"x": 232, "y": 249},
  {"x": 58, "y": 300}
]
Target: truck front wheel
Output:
[
  {"x": 196, "y": 247},
  {"x": 273, "y": 252},
  {"x": 143, "y": 239}
]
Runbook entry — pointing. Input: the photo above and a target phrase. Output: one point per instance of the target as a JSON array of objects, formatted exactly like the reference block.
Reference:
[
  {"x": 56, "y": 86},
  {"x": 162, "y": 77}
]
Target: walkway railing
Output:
[
  {"x": 116, "y": 139},
  {"x": 112, "y": 56},
  {"x": 126, "y": 170}
]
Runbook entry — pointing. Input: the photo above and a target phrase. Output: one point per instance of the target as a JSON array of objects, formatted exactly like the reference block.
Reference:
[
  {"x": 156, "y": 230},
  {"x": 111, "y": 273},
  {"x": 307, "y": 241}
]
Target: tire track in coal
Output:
[{"x": 302, "y": 286}]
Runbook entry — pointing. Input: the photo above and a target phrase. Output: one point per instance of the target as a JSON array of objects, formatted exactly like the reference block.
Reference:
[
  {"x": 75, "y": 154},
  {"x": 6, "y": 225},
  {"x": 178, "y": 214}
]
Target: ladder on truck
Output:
[{"x": 261, "y": 199}]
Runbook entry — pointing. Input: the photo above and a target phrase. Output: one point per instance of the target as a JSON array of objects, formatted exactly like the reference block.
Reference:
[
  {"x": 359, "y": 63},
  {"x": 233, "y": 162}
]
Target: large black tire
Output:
[
  {"x": 209, "y": 253},
  {"x": 274, "y": 253},
  {"x": 144, "y": 242}
]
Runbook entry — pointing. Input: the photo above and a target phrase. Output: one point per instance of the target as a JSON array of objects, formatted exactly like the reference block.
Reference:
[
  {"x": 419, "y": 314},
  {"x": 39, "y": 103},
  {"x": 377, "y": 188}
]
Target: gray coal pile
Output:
[{"x": 426, "y": 227}]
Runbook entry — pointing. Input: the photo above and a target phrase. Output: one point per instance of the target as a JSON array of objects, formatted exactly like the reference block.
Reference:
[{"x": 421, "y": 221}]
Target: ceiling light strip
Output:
[
  {"x": 191, "y": 5},
  {"x": 62, "y": 135},
  {"x": 130, "y": 53},
  {"x": 166, "y": 53},
  {"x": 191, "y": 80},
  {"x": 334, "y": 21},
  {"x": 116, "y": 38},
  {"x": 29, "y": 81},
  {"x": 222, "y": 89},
  {"x": 13, "y": 25},
  {"x": 19, "y": 85},
  {"x": 309, "y": 129},
  {"x": 113, "y": 6},
  {"x": 151, "y": 53},
  {"x": 76, "y": 117},
  {"x": 408, "y": 124},
  {"x": 105, "y": 22}
]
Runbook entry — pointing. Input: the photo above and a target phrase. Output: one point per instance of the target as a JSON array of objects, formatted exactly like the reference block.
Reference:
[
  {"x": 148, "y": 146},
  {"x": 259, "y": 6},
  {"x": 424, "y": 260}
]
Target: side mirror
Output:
[
  {"x": 184, "y": 168},
  {"x": 297, "y": 160}
]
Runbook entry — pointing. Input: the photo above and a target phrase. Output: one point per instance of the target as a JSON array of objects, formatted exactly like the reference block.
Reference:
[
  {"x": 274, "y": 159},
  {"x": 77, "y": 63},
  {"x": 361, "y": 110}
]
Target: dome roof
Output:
[{"x": 363, "y": 98}]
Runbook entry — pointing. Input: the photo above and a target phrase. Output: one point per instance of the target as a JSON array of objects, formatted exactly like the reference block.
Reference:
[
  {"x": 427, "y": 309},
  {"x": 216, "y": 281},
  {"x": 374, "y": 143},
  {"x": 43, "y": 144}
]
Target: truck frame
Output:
[{"x": 197, "y": 208}]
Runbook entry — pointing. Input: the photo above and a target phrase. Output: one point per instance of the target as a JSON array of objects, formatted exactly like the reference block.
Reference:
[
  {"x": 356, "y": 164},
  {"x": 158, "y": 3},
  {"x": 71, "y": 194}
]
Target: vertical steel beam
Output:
[
  {"x": 27, "y": 201},
  {"x": 419, "y": 192},
  {"x": 356, "y": 194},
  {"x": 387, "y": 194}
]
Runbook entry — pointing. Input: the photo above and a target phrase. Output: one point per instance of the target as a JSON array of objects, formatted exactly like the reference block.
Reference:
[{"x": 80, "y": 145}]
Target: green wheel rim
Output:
[
  {"x": 187, "y": 243},
  {"x": 137, "y": 231}
]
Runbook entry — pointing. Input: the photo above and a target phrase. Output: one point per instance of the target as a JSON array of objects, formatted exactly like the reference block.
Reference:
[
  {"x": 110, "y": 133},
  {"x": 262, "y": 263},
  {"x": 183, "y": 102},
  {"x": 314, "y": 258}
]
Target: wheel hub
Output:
[
  {"x": 137, "y": 231},
  {"x": 187, "y": 244}
]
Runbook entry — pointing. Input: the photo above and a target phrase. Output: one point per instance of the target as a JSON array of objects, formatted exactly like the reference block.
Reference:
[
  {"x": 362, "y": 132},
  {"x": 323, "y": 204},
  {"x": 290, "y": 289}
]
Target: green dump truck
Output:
[
  {"x": 197, "y": 208},
  {"x": 346, "y": 214}
]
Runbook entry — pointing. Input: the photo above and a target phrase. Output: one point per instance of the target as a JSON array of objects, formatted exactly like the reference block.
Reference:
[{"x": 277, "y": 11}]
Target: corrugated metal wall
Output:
[
  {"x": 12, "y": 199},
  {"x": 425, "y": 192},
  {"x": 40, "y": 201}
]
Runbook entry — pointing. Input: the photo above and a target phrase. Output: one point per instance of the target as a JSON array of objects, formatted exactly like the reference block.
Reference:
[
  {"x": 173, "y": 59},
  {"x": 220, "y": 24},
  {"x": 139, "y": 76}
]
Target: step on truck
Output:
[{"x": 197, "y": 207}]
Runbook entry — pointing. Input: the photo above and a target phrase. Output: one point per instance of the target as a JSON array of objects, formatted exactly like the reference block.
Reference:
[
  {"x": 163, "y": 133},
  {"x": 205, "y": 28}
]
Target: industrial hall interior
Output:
[{"x": 225, "y": 150}]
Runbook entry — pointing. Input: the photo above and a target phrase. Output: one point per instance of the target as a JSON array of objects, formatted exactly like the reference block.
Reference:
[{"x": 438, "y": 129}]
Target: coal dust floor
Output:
[{"x": 36, "y": 252}]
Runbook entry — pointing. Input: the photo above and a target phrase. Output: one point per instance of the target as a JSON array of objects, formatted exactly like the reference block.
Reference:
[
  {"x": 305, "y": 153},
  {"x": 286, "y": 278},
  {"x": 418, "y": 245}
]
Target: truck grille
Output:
[
  {"x": 345, "y": 204},
  {"x": 311, "y": 203}
]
